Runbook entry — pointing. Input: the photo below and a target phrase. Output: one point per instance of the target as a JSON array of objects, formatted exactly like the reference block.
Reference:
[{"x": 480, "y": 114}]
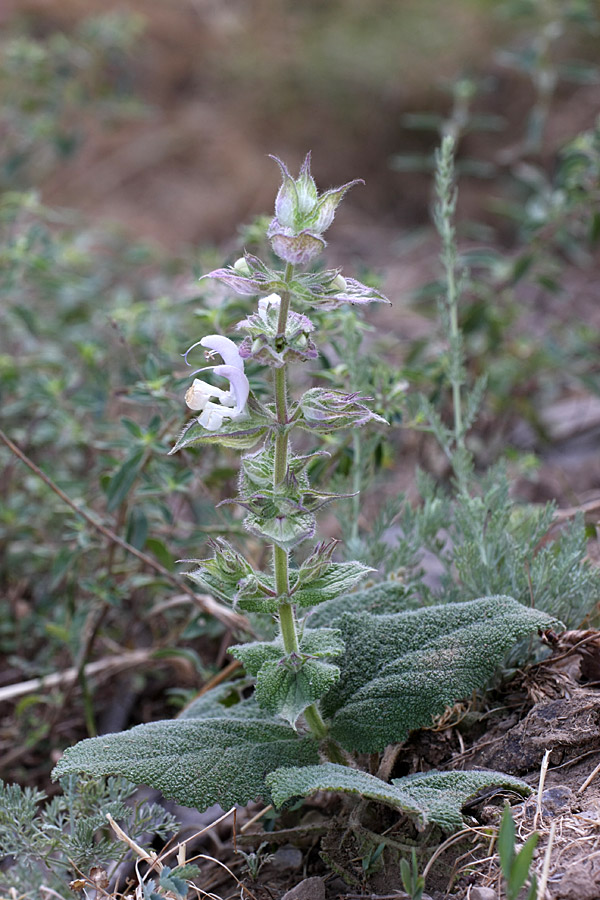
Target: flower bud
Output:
[{"x": 241, "y": 266}]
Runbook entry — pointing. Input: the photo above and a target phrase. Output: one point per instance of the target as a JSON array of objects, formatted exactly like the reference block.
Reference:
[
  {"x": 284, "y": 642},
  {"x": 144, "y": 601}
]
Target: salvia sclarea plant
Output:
[{"x": 350, "y": 671}]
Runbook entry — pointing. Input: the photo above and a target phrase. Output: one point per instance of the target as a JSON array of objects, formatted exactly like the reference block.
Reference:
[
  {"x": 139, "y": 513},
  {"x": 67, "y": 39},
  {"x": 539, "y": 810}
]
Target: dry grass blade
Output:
[{"x": 108, "y": 665}]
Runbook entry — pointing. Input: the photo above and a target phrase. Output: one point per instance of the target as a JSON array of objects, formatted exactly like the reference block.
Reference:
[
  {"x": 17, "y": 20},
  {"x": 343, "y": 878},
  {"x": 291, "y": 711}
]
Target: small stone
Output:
[
  {"x": 309, "y": 889},
  {"x": 287, "y": 858},
  {"x": 482, "y": 893},
  {"x": 557, "y": 800}
]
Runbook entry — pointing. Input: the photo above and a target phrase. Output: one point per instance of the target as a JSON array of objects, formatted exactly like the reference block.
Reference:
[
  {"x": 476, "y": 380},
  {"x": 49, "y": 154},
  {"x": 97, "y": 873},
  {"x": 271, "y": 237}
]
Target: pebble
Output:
[
  {"x": 287, "y": 858},
  {"x": 482, "y": 893},
  {"x": 309, "y": 889},
  {"x": 556, "y": 801}
]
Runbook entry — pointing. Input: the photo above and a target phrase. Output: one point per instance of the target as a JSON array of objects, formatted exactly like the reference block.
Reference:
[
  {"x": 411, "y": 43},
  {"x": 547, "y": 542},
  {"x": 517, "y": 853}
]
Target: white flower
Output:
[
  {"x": 200, "y": 396},
  {"x": 273, "y": 301}
]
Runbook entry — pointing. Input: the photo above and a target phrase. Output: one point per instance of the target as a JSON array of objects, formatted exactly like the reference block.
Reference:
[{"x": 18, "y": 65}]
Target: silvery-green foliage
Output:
[
  {"x": 288, "y": 686},
  {"x": 323, "y": 411},
  {"x": 287, "y": 683},
  {"x": 398, "y": 671},
  {"x": 386, "y": 597},
  {"x": 428, "y": 797},
  {"x": 197, "y": 760},
  {"x": 314, "y": 643},
  {"x": 485, "y": 543},
  {"x": 45, "y": 839}
]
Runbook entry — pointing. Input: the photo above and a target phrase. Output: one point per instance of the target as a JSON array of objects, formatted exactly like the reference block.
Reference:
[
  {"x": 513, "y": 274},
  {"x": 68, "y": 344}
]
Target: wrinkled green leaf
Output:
[
  {"x": 314, "y": 643},
  {"x": 195, "y": 761},
  {"x": 389, "y": 597},
  {"x": 338, "y": 578},
  {"x": 436, "y": 797},
  {"x": 399, "y": 671},
  {"x": 287, "y": 691}
]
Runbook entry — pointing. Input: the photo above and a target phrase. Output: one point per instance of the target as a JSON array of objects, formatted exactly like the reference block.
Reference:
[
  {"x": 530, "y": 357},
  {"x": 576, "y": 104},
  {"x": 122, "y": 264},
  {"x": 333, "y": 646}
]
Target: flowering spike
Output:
[{"x": 301, "y": 216}]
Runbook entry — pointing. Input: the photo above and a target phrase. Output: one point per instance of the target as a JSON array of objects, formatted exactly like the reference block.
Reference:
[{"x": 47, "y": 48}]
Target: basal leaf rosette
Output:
[
  {"x": 211, "y": 754},
  {"x": 399, "y": 671}
]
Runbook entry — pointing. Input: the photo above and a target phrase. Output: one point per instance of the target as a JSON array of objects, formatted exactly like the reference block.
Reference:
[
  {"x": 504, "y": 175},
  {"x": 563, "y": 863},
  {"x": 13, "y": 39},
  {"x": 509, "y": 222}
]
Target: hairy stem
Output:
[{"x": 287, "y": 616}]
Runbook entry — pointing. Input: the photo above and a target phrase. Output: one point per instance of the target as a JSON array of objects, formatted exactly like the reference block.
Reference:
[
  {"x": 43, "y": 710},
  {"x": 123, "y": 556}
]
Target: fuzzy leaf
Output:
[
  {"x": 399, "y": 671},
  {"x": 321, "y": 642},
  {"x": 286, "y": 530},
  {"x": 431, "y": 797},
  {"x": 313, "y": 643},
  {"x": 228, "y": 576},
  {"x": 338, "y": 578},
  {"x": 210, "y": 705},
  {"x": 287, "y": 691},
  {"x": 196, "y": 762},
  {"x": 443, "y": 794},
  {"x": 240, "y": 434},
  {"x": 255, "y": 654},
  {"x": 323, "y": 411},
  {"x": 388, "y": 597}
]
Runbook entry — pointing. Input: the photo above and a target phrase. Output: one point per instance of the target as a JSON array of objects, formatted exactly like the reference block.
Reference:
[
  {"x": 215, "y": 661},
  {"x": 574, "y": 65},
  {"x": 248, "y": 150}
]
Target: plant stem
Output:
[
  {"x": 444, "y": 217},
  {"x": 356, "y": 482},
  {"x": 455, "y": 341},
  {"x": 287, "y": 618}
]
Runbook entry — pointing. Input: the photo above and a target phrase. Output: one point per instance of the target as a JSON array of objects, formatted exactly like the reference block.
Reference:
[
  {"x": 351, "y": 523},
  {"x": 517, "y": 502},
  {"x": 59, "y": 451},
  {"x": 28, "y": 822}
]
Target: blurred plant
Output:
[
  {"x": 99, "y": 431},
  {"x": 52, "y": 88},
  {"x": 483, "y": 541},
  {"x": 550, "y": 210},
  {"x": 49, "y": 842},
  {"x": 255, "y": 860}
]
